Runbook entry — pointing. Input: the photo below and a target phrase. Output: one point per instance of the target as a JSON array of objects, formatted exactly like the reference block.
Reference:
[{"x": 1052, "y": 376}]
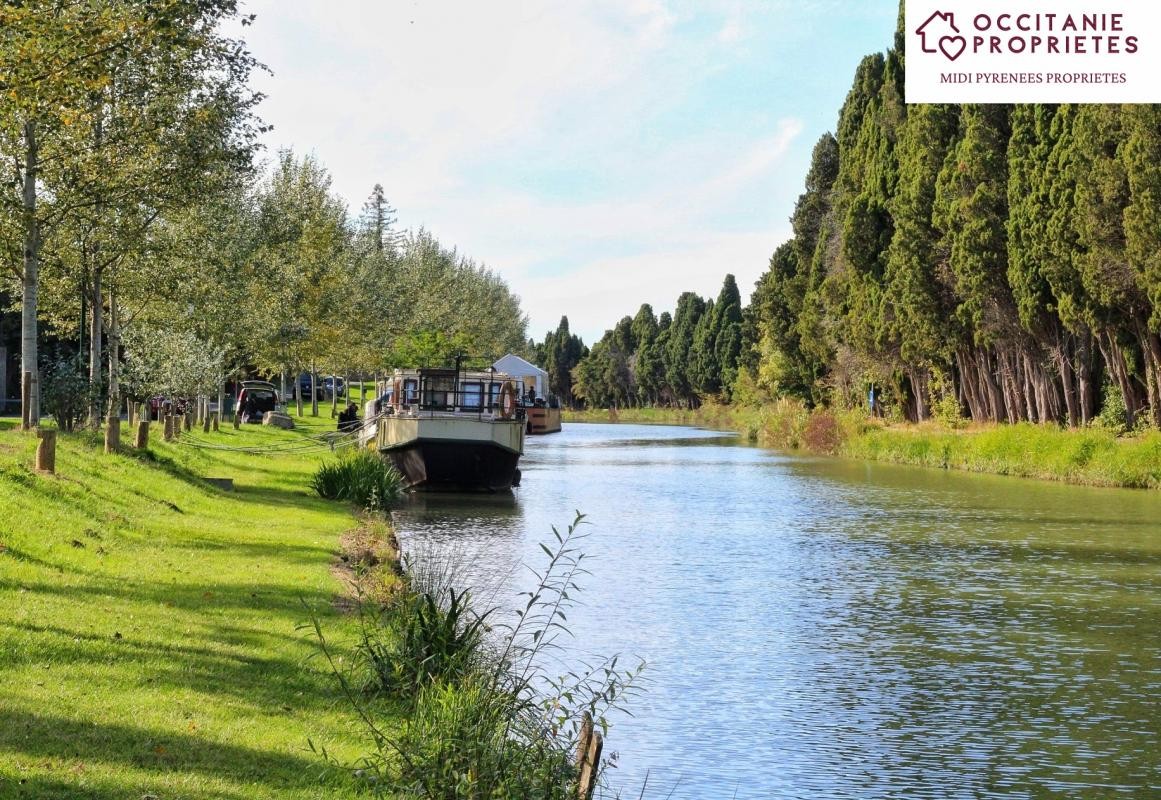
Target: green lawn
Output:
[{"x": 150, "y": 640}]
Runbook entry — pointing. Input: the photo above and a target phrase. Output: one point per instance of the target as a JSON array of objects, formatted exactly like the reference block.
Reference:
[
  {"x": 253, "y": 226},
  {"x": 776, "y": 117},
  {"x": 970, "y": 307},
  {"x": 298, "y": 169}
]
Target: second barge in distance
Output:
[
  {"x": 541, "y": 408},
  {"x": 450, "y": 429}
]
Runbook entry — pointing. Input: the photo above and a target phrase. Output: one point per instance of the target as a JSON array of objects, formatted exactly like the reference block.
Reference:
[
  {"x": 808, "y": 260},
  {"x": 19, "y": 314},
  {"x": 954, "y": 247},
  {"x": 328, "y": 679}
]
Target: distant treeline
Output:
[
  {"x": 674, "y": 359},
  {"x": 992, "y": 261}
]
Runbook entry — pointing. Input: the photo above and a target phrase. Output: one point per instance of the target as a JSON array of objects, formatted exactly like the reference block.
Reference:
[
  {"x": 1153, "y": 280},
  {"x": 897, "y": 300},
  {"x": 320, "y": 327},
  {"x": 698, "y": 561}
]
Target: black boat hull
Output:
[{"x": 455, "y": 466}]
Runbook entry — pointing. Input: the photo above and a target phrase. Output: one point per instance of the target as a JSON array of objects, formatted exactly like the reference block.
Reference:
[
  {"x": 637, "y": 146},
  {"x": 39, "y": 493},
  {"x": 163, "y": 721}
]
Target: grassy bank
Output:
[
  {"x": 1091, "y": 456},
  {"x": 150, "y": 641}
]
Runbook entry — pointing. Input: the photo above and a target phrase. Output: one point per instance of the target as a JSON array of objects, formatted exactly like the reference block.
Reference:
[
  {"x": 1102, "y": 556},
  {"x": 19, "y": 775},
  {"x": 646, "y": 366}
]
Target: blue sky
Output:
[{"x": 597, "y": 154}]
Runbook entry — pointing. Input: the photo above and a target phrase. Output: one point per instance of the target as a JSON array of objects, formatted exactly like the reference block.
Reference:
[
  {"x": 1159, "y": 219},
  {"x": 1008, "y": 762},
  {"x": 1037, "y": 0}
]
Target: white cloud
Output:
[{"x": 423, "y": 96}]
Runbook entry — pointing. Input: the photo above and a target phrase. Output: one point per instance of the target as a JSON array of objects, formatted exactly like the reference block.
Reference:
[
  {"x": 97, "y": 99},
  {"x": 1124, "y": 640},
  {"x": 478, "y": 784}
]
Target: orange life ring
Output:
[
  {"x": 397, "y": 393},
  {"x": 507, "y": 400}
]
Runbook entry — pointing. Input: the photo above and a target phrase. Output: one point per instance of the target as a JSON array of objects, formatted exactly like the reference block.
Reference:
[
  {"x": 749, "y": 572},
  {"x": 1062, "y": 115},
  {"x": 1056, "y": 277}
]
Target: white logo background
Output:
[{"x": 942, "y": 67}]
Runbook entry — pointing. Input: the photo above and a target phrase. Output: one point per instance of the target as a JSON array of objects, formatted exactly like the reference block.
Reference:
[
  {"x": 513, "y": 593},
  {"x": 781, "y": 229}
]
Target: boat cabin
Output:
[{"x": 446, "y": 390}]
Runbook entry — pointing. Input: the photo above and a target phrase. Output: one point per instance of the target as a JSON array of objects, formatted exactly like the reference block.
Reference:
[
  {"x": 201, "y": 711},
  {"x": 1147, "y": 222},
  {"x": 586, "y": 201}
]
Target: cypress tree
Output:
[
  {"x": 916, "y": 310},
  {"x": 1142, "y": 157},
  {"x": 678, "y": 372},
  {"x": 728, "y": 334}
]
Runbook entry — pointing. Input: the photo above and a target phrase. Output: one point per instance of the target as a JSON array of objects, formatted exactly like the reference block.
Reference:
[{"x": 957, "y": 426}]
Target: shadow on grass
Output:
[
  {"x": 221, "y": 660},
  {"x": 43, "y": 737}
]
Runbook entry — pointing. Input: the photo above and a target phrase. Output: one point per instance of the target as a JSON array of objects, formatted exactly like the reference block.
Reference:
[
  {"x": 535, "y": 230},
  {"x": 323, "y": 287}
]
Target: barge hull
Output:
[{"x": 448, "y": 465}]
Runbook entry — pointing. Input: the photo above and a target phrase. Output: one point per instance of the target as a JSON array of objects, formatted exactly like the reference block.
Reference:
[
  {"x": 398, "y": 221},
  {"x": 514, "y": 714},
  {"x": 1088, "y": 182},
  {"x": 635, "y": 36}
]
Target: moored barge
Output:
[{"x": 451, "y": 429}]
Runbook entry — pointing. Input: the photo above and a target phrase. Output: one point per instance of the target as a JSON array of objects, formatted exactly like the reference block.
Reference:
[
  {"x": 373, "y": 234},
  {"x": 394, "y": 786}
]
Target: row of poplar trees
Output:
[
  {"x": 1003, "y": 260},
  {"x": 668, "y": 360},
  {"x": 138, "y": 221}
]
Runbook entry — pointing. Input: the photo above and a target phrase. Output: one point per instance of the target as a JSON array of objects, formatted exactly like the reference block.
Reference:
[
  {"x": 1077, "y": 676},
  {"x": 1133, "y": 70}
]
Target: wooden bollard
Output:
[
  {"x": 187, "y": 422},
  {"x": 141, "y": 440},
  {"x": 112, "y": 433},
  {"x": 214, "y": 421},
  {"x": 206, "y": 424},
  {"x": 169, "y": 427},
  {"x": 582, "y": 742},
  {"x": 237, "y": 419},
  {"x": 46, "y": 451},
  {"x": 26, "y": 401},
  {"x": 589, "y": 749}
]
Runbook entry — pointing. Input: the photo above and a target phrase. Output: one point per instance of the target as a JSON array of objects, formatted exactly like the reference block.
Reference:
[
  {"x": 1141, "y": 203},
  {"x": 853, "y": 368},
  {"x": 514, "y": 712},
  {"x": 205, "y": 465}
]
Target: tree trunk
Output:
[
  {"x": 29, "y": 357},
  {"x": 1083, "y": 369},
  {"x": 1115, "y": 361},
  {"x": 1151, "y": 356},
  {"x": 919, "y": 389},
  {"x": 96, "y": 338},
  {"x": 1064, "y": 364},
  {"x": 969, "y": 385},
  {"x": 313, "y": 392},
  {"x": 114, "y": 353}
]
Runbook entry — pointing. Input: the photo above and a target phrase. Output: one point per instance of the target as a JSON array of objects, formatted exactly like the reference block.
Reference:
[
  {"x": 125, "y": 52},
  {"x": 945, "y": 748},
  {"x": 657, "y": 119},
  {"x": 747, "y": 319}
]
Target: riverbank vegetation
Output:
[
  {"x": 1097, "y": 455},
  {"x": 484, "y": 715}
]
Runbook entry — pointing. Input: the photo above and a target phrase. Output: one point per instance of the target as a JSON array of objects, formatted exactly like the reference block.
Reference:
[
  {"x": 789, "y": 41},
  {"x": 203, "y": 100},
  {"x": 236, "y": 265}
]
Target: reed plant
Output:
[{"x": 361, "y": 477}]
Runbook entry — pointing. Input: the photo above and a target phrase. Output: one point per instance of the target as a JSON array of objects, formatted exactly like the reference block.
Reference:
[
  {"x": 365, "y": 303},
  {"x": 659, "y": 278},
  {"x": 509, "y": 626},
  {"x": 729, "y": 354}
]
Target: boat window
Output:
[
  {"x": 494, "y": 394},
  {"x": 411, "y": 390},
  {"x": 439, "y": 393},
  {"x": 473, "y": 395}
]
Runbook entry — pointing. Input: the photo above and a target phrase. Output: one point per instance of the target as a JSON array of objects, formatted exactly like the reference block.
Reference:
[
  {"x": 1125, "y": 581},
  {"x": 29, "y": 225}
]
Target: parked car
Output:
[
  {"x": 302, "y": 386},
  {"x": 324, "y": 386},
  {"x": 159, "y": 404},
  {"x": 255, "y": 398}
]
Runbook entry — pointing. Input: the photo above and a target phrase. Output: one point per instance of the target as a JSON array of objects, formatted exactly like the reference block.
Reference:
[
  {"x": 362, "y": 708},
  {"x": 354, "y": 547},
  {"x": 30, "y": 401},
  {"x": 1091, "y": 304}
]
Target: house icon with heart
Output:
[{"x": 939, "y": 34}]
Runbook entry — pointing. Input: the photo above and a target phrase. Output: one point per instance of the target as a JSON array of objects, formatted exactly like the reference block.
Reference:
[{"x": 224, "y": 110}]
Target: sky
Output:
[{"x": 598, "y": 154}]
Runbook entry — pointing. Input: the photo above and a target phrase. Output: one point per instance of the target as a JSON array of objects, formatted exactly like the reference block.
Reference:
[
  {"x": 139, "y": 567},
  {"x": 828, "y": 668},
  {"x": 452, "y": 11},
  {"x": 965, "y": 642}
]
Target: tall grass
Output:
[
  {"x": 1089, "y": 456},
  {"x": 359, "y": 476},
  {"x": 1095, "y": 456},
  {"x": 485, "y": 717}
]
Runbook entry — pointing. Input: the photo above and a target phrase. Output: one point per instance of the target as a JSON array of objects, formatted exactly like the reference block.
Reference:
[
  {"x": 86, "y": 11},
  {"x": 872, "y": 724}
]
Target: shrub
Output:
[
  {"x": 945, "y": 406},
  {"x": 419, "y": 640},
  {"x": 66, "y": 392},
  {"x": 823, "y": 433},
  {"x": 361, "y": 477},
  {"x": 1114, "y": 414}
]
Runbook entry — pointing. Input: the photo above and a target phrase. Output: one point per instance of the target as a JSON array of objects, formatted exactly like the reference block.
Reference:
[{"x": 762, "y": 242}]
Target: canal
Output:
[{"x": 818, "y": 628}]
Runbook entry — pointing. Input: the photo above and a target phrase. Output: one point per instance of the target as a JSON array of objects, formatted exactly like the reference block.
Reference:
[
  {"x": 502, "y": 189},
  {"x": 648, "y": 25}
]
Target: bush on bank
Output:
[{"x": 361, "y": 477}]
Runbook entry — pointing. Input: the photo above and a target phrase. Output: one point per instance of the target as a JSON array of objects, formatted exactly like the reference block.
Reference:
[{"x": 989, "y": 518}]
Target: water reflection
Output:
[{"x": 818, "y": 628}]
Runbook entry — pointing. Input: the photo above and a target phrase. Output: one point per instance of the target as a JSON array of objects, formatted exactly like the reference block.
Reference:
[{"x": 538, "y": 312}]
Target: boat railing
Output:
[{"x": 470, "y": 403}]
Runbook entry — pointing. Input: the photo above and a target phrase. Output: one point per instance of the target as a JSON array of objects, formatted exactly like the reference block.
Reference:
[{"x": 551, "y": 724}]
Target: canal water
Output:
[{"x": 818, "y": 628}]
